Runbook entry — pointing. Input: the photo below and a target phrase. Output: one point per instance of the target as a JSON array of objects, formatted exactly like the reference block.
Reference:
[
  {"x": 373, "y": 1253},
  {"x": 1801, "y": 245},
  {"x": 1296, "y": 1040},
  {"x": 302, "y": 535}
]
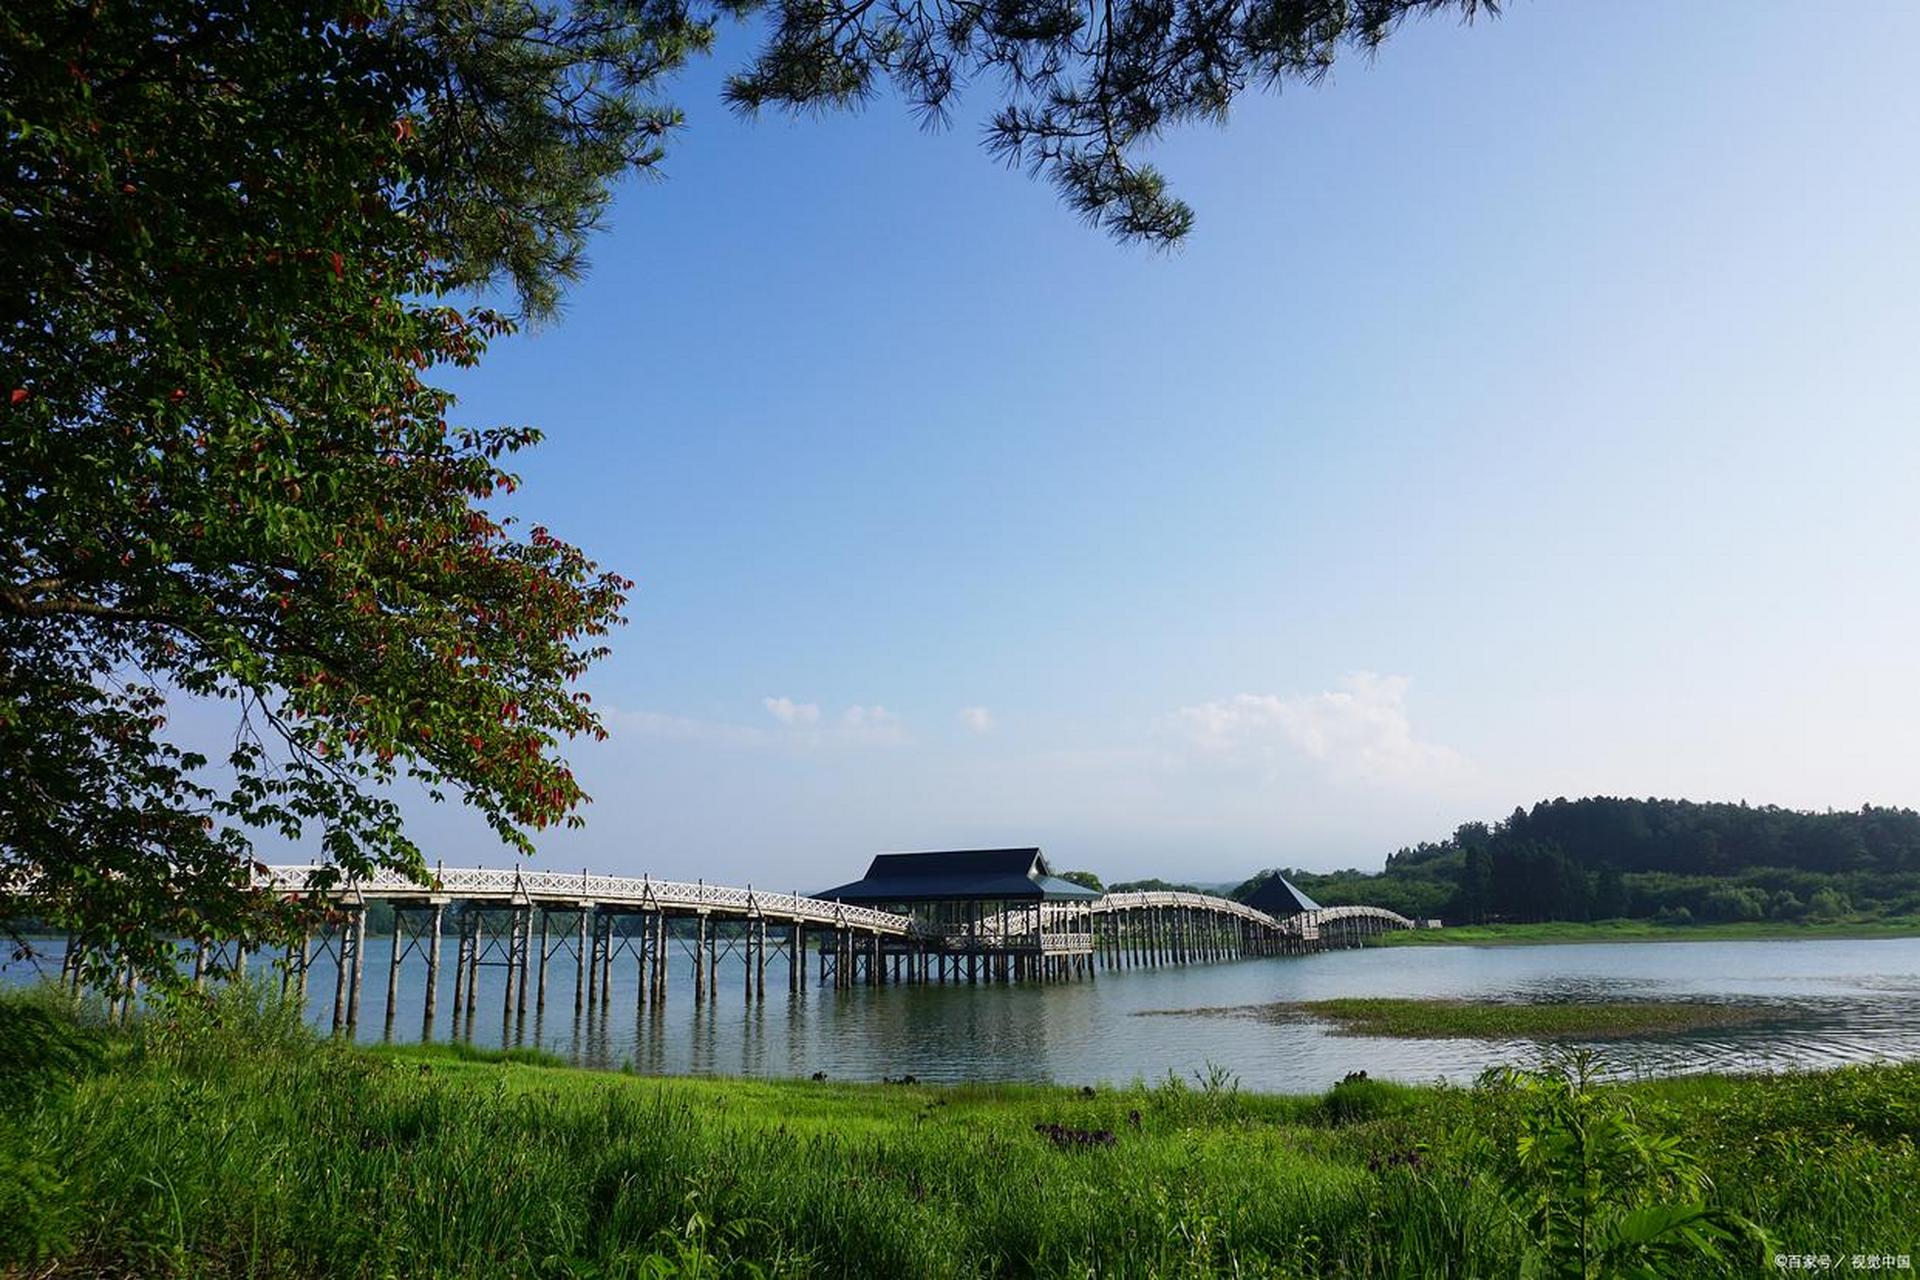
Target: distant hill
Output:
[{"x": 1603, "y": 857}]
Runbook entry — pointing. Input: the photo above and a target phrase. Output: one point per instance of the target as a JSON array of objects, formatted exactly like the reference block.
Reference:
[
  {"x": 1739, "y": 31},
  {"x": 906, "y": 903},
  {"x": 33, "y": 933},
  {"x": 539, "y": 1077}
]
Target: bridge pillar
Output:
[
  {"x": 358, "y": 929},
  {"x": 478, "y": 923},
  {"x": 591, "y": 927},
  {"x": 580, "y": 960},
  {"x": 540, "y": 987},
  {"x": 513, "y": 949},
  {"x": 459, "y": 968},
  {"x": 340, "y": 976},
  {"x": 432, "y": 1000},
  {"x": 606, "y": 962},
  {"x": 700, "y": 958},
  {"x": 662, "y": 943},
  {"x": 393, "y": 968}
]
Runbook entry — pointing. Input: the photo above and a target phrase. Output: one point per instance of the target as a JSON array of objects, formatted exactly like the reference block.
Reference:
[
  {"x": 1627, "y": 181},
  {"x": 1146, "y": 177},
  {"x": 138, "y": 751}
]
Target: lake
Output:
[{"x": 1843, "y": 1000}]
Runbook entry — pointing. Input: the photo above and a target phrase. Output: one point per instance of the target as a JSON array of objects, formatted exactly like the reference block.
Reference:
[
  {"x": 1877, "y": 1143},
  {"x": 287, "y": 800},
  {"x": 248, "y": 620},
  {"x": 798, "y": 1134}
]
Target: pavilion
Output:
[{"x": 980, "y": 901}]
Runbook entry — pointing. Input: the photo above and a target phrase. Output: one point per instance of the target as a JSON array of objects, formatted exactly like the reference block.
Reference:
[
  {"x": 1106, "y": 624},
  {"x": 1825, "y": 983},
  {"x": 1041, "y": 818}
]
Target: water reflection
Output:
[{"x": 1844, "y": 1001}]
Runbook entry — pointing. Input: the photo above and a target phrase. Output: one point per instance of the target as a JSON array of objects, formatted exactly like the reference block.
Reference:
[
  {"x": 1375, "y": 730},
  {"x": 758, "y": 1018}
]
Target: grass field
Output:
[
  {"x": 229, "y": 1142},
  {"x": 1488, "y": 935},
  {"x": 1411, "y": 1019}
]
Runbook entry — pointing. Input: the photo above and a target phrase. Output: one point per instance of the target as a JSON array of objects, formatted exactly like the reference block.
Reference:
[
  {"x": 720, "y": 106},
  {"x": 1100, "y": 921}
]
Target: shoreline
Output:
[{"x": 1627, "y": 931}]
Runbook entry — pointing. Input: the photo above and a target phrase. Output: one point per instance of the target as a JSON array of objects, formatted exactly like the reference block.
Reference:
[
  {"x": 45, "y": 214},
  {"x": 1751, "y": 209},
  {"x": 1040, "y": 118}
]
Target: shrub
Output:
[{"x": 1597, "y": 1192}]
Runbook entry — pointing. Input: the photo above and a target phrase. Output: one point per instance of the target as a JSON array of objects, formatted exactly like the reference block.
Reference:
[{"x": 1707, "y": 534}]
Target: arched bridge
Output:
[{"x": 524, "y": 921}]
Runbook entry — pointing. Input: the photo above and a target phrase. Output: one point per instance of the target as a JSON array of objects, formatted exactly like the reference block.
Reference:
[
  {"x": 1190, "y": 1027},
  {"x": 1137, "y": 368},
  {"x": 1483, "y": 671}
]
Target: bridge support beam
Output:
[{"x": 432, "y": 1001}]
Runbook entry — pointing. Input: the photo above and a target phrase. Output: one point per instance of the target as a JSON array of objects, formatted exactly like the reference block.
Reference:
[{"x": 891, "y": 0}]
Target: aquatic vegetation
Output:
[{"x": 1407, "y": 1018}]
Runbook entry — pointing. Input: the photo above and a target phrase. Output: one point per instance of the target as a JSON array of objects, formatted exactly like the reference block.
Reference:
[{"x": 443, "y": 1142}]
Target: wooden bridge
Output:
[{"x": 526, "y": 921}]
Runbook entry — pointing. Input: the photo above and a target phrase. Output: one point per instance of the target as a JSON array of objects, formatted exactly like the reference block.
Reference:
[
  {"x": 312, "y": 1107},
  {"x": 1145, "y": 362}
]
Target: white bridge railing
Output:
[
  {"x": 1199, "y": 901},
  {"x": 1305, "y": 922},
  {"x": 487, "y": 884}
]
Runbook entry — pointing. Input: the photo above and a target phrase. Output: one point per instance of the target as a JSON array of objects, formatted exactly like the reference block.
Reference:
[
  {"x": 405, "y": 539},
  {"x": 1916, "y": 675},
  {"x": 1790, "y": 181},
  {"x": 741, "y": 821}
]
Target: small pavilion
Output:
[{"x": 979, "y": 901}]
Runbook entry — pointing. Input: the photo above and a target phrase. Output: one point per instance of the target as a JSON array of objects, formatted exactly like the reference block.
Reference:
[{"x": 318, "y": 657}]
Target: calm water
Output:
[{"x": 1845, "y": 1000}]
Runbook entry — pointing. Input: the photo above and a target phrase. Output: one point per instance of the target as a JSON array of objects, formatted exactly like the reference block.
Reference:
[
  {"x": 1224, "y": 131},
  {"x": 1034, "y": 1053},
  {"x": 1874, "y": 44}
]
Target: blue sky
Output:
[{"x": 1531, "y": 413}]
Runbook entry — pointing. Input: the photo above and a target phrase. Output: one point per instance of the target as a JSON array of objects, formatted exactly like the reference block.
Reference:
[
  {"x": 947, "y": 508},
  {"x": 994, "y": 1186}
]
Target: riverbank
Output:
[
  {"x": 1568, "y": 931},
  {"x": 233, "y": 1143}
]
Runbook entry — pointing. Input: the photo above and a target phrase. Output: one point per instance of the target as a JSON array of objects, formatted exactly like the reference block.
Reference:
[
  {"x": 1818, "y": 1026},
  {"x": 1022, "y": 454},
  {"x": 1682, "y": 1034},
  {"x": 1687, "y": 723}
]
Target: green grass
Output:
[
  {"x": 1411, "y": 1019},
  {"x": 1487, "y": 935},
  {"x": 228, "y": 1142}
]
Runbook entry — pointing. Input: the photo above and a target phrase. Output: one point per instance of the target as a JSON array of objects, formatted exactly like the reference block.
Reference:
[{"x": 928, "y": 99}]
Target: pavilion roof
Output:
[
  {"x": 1280, "y": 897},
  {"x": 958, "y": 875}
]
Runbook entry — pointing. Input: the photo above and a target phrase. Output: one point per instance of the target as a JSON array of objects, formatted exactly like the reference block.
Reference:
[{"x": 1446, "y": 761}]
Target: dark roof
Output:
[
  {"x": 1010, "y": 875},
  {"x": 1279, "y": 896}
]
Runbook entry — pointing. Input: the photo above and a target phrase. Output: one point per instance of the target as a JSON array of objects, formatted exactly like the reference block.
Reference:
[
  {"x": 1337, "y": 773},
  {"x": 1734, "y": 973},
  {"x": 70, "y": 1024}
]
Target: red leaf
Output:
[
  {"x": 19, "y": 396},
  {"x": 339, "y": 265}
]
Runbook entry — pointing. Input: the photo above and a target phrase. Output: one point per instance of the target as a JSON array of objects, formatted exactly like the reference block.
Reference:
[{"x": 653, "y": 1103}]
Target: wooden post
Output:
[
  {"x": 700, "y": 958},
  {"x": 357, "y": 929},
  {"x": 341, "y": 979},
  {"x": 526, "y": 958},
  {"x": 713, "y": 961},
  {"x": 642, "y": 960},
  {"x": 593, "y": 960},
  {"x": 459, "y": 970},
  {"x": 540, "y": 996},
  {"x": 433, "y": 962},
  {"x": 393, "y": 967},
  {"x": 662, "y": 940},
  {"x": 580, "y": 961},
  {"x": 795, "y": 970},
  {"x": 506, "y": 988},
  {"x": 606, "y": 964},
  {"x": 473, "y": 962}
]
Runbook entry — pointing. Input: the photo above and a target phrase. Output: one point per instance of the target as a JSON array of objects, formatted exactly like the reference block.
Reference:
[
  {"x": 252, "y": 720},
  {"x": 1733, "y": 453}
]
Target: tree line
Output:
[{"x": 1605, "y": 857}]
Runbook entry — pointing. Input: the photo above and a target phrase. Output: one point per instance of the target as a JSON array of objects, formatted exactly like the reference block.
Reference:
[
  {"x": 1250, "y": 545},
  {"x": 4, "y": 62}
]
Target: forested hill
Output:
[{"x": 1602, "y": 857}]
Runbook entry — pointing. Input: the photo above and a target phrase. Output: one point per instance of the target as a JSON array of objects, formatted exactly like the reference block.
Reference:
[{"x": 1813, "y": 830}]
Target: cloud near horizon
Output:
[
  {"x": 1357, "y": 732},
  {"x": 872, "y": 724},
  {"x": 789, "y": 712},
  {"x": 800, "y": 724},
  {"x": 976, "y": 719}
]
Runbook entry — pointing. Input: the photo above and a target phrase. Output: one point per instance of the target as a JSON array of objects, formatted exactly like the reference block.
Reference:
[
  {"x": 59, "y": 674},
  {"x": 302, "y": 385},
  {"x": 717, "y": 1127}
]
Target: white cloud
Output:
[
  {"x": 872, "y": 724},
  {"x": 789, "y": 712},
  {"x": 976, "y": 719},
  {"x": 1359, "y": 731}
]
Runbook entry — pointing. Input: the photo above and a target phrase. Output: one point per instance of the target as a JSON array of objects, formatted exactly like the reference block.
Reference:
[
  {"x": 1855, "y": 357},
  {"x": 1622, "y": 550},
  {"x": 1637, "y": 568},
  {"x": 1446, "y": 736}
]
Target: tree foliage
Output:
[
  {"x": 244, "y": 238},
  {"x": 226, "y": 472},
  {"x": 1083, "y": 88}
]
